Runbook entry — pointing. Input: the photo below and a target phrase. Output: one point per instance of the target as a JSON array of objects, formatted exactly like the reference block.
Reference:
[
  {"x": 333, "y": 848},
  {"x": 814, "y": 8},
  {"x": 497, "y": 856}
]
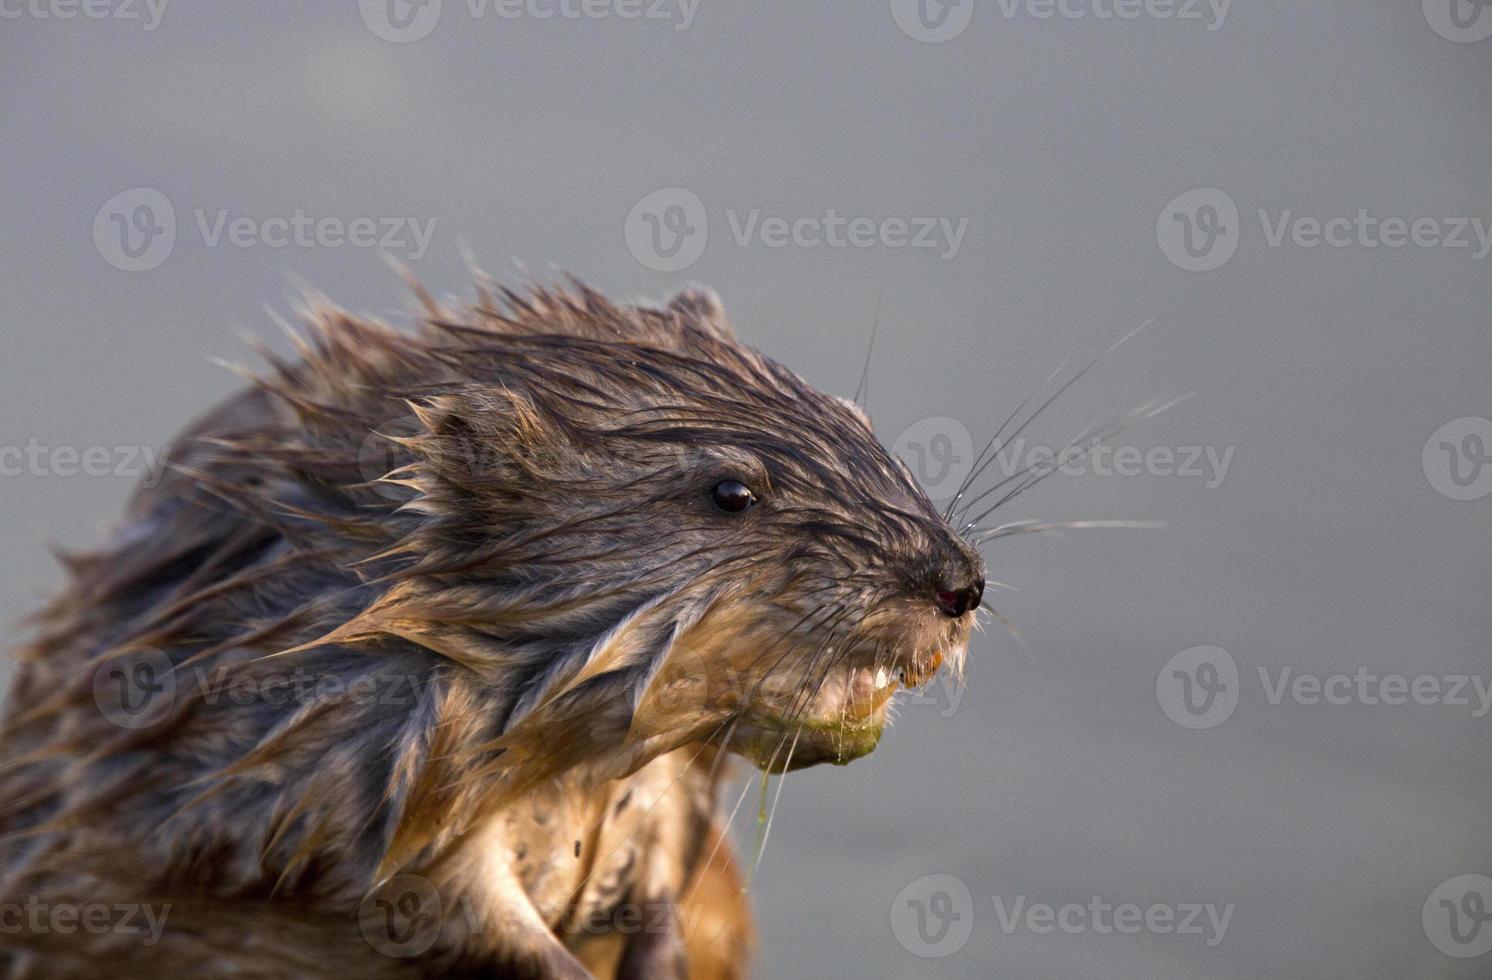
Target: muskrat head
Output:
[
  {"x": 643, "y": 534},
  {"x": 826, "y": 580},
  {"x": 672, "y": 531}
]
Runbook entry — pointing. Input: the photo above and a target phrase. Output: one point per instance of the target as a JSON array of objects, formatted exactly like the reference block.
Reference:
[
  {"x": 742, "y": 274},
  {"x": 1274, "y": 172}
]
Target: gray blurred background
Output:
[{"x": 1333, "y": 542}]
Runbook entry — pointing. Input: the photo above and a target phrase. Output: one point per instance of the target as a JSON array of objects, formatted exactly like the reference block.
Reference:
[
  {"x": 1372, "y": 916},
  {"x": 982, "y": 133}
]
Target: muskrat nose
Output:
[{"x": 955, "y": 600}]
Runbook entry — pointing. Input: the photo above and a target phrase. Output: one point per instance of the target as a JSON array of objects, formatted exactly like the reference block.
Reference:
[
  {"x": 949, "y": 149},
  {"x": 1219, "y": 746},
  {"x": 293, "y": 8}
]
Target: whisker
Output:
[
  {"x": 1010, "y": 628},
  {"x": 980, "y": 463},
  {"x": 862, "y": 390},
  {"x": 1066, "y": 386},
  {"x": 1104, "y": 431},
  {"x": 761, "y": 850},
  {"x": 1036, "y": 474},
  {"x": 1034, "y": 527},
  {"x": 720, "y": 838},
  {"x": 807, "y": 693}
]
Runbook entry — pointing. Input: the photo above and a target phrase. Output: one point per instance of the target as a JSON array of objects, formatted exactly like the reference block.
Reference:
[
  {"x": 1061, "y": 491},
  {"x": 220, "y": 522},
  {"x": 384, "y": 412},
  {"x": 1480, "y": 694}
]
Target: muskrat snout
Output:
[
  {"x": 959, "y": 587},
  {"x": 957, "y": 601}
]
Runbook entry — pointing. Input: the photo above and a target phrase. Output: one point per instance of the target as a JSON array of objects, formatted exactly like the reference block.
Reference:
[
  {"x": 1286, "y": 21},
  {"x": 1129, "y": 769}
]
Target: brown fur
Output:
[{"x": 487, "y": 555}]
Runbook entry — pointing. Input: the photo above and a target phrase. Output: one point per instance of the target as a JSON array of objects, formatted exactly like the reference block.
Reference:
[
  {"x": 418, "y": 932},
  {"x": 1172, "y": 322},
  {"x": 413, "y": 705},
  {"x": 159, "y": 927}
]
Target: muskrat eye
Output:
[{"x": 732, "y": 496}]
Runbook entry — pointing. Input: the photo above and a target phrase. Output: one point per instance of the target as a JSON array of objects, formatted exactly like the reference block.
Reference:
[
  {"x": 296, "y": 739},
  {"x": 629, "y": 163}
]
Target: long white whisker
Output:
[
  {"x": 1035, "y": 527},
  {"x": 761, "y": 849}
]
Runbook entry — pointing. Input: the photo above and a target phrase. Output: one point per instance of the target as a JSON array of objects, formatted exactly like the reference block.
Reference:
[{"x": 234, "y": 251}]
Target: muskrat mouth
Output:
[
  {"x": 839, "y": 721},
  {"x": 867, "y": 690},
  {"x": 785, "y": 700}
]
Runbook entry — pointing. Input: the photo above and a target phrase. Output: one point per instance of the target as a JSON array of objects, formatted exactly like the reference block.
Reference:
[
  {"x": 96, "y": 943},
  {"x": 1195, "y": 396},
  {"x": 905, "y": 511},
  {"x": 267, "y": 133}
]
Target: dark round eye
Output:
[{"x": 732, "y": 496}]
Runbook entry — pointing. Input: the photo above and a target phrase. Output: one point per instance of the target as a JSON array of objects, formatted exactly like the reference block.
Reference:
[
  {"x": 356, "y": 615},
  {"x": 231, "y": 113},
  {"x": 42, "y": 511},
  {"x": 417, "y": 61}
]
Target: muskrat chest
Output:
[{"x": 597, "y": 859}]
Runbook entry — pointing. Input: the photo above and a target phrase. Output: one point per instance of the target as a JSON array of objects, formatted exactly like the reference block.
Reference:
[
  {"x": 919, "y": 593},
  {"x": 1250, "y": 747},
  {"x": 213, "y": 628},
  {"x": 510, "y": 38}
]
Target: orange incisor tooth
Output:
[{"x": 922, "y": 671}]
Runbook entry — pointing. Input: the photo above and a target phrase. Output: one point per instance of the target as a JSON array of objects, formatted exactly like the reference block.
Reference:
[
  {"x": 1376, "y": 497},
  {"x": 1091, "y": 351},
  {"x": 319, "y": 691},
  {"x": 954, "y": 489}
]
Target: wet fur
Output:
[{"x": 503, "y": 521}]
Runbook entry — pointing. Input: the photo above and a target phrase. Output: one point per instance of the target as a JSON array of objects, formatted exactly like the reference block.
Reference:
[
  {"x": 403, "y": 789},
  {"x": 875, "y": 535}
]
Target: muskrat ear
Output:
[{"x": 701, "y": 306}]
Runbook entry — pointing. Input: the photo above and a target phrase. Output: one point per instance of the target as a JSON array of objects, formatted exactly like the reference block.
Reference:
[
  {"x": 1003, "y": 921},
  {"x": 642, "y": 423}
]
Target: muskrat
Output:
[{"x": 425, "y": 656}]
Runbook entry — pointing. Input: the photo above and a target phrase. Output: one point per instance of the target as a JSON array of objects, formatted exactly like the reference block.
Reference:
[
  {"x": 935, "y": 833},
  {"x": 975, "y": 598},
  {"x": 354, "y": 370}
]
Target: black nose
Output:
[{"x": 955, "y": 600}]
